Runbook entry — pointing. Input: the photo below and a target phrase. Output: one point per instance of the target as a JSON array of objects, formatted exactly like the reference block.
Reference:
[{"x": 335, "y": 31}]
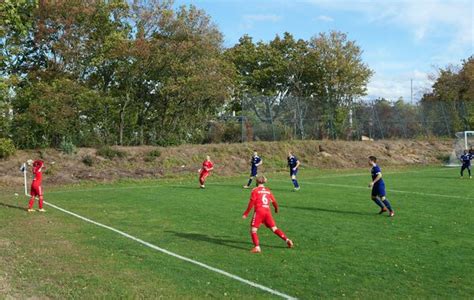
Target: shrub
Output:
[
  {"x": 7, "y": 148},
  {"x": 110, "y": 153},
  {"x": 67, "y": 147},
  {"x": 42, "y": 154},
  {"x": 88, "y": 160},
  {"x": 232, "y": 133},
  {"x": 443, "y": 158},
  {"x": 152, "y": 155},
  {"x": 214, "y": 133}
]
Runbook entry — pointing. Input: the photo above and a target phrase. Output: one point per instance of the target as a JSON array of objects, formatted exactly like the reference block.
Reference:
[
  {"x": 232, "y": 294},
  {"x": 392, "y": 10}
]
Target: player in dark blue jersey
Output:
[
  {"x": 466, "y": 163},
  {"x": 255, "y": 162},
  {"x": 378, "y": 188},
  {"x": 293, "y": 164}
]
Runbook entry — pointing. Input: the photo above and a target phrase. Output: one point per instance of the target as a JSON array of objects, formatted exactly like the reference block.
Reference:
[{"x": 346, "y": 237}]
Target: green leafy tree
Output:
[
  {"x": 336, "y": 74},
  {"x": 451, "y": 100}
]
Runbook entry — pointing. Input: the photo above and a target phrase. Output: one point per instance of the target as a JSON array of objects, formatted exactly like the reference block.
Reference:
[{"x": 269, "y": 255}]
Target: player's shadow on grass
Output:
[
  {"x": 11, "y": 206},
  {"x": 335, "y": 211},
  {"x": 219, "y": 240}
]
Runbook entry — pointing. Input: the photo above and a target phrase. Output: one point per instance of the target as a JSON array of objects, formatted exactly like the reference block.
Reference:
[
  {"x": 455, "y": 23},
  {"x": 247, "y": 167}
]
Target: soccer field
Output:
[{"x": 343, "y": 248}]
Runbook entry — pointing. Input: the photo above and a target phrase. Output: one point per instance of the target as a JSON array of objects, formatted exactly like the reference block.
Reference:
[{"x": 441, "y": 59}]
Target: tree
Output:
[
  {"x": 336, "y": 74},
  {"x": 288, "y": 76},
  {"x": 153, "y": 74},
  {"x": 452, "y": 98}
]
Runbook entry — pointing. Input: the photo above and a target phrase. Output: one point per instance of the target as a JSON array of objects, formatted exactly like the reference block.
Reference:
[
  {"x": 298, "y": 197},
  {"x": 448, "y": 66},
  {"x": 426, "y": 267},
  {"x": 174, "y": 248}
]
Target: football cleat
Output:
[
  {"x": 391, "y": 214},
  {"x": 202, "y": 186},
  {"x": 41, "y": 210},
  {"x": 256, "y": 250},
  {"x": 245, "y": 186},
  {"x": 30, "y": 210},
  {"x": 296, "y": 189},
  {"x": 382, "y": 210},
  {"x": 289, "y": 243}
]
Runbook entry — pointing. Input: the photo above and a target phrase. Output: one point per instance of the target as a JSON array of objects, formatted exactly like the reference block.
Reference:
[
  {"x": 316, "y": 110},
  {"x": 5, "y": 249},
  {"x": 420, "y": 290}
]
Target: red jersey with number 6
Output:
[{"x": 260, "y": 199}]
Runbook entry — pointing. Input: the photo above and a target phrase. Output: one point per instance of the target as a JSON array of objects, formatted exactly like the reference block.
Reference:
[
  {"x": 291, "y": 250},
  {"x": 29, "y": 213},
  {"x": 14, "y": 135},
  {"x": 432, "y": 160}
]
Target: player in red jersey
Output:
[
  {"x": 260, "y": 199},
  {"x": 207, "y": 167},
  {"x": 36, "y": 188}
]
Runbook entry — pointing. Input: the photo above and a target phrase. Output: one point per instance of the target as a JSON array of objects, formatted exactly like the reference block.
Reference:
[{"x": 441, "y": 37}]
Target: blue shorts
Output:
[
  {"x": 293, "y": 172},
  {"x": 253, "y": 172},
  {"x": 378, "y": 190}
]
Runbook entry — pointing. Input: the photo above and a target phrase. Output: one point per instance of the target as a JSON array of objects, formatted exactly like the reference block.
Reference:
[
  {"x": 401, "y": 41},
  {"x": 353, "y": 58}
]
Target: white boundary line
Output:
[
  {"x": 219, "y": 271},
  {"x": 218, "y": 183},
  {"x": 390, "y": 190}
]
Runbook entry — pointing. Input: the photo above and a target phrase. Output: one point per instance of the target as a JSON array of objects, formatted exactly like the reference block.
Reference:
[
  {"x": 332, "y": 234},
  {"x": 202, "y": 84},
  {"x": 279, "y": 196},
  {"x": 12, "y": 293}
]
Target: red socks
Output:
[
  {"x": 32, "y": 201},
  {"x": 254, "y": 238},
  {"x": 280, "y": 234}
]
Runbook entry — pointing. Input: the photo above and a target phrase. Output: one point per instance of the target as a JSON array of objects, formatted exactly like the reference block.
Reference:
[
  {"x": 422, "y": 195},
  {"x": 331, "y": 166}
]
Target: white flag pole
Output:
[{"x": 25, "y": 179}]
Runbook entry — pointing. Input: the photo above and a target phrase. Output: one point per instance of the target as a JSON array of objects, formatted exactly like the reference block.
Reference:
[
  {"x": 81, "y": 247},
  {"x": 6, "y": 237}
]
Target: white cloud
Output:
[
  {"x": 262, "y": 18},
  {"x": 250, "y": 20},
  {"x": 393, "y": 87},
  {"x": 423, "y": 18},
  {"x": 324, "y": 18}
]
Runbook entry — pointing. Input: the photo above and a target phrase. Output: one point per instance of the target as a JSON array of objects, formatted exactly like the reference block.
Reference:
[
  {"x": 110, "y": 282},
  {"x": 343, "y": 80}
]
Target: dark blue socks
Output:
[
  {"x": 295, "y": 183},
  {"x": 250, "y": 182},
  {"x": 387, "y": 204},
  {"x": 378, "y": 202}
]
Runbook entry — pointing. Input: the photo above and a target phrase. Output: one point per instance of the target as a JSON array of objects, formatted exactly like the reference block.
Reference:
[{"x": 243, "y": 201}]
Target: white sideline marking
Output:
[
  {"x": 217, "y": 183},
  {"x": 390, "y": 190},
  {"x": 251, "y": 283}
]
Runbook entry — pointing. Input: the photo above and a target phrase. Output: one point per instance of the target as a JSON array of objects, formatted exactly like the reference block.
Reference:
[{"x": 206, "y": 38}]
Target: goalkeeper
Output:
[{"x": 466, "y": 162}]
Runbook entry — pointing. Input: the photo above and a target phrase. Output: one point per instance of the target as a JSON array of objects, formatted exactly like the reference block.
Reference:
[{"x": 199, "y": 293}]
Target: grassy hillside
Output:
[{"x": 230, "y": 159}]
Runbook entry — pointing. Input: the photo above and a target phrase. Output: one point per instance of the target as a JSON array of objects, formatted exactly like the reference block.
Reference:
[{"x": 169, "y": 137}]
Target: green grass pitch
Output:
[{"x": 342, "y": 247}]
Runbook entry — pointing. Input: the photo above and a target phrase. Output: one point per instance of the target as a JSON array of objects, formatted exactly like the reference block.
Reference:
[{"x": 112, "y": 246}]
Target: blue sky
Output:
[{"x": 401, "y": 39}]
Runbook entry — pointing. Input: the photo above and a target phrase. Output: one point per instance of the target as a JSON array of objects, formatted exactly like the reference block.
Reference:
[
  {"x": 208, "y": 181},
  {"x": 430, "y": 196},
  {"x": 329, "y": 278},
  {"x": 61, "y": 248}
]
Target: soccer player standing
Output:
[
  {"x": 293, "y": 164},
  {"x": 260, "y": 199},
  {"x": 255, "y": 162},
  {"x": 36, "y": 188},
  {"x": 207, "y": 167},
  {"x": 466, "y": 163},
  {"x": 378, "y": 188}
]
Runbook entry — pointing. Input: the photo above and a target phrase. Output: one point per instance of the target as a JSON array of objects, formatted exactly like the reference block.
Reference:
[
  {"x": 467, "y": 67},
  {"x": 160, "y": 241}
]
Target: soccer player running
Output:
[
  {"x": 36, "y": 188},
  {"x": 293, "y": 164},
  {"x": 260, "y": 199},
  {"x": 378, "y": 188},
  {"x": 207, "y": 167},
  {"x": 466, "y": 163},
  {"x": 255, "y": 162}
]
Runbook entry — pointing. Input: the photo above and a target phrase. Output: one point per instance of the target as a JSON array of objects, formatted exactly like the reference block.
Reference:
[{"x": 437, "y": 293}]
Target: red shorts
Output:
[
  {"x": 203, "y": 175},
  {"x": 262, "y": 216},
  {"x": 36, "y": 190}
]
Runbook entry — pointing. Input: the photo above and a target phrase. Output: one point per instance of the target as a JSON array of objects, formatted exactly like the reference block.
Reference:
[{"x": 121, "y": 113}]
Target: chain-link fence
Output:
[{"x": 269, "y": 119}]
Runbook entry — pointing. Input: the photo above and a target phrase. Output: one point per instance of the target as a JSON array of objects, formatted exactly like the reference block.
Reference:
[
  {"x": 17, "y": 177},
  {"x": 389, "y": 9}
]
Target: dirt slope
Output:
[{"x": 230, "y": 159}]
